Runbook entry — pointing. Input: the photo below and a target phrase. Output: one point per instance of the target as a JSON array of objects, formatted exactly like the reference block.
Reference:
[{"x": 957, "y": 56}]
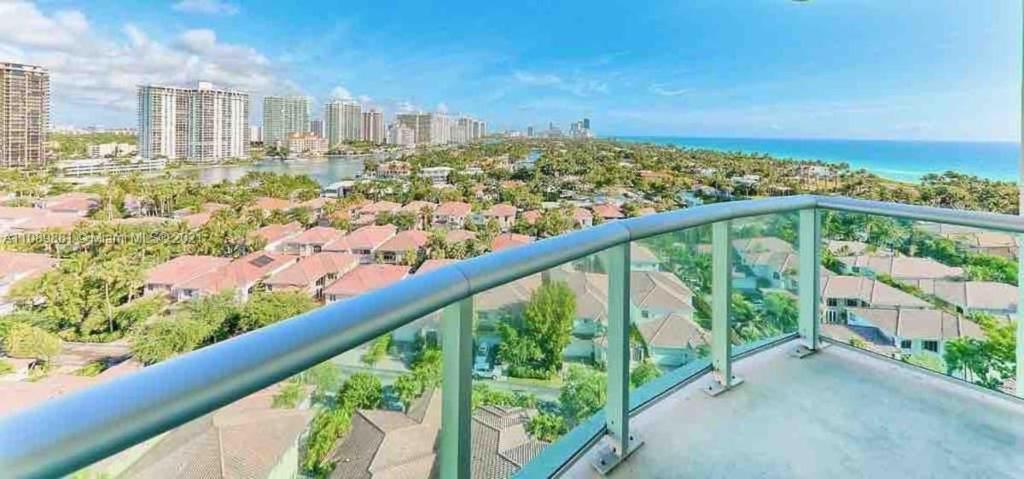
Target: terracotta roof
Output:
[
  {"x": 13, "y": 264},
  {"x": 500, "y": 443},
  {"x": 197, "y": 220},
  {"x": 920, "y": 323},
  {"x": 37, "y": 220},
  {"x": 269, "y": 204},
  {"x": 317, "y": 235},
  {"x": 903, "y": 267},
  {"x": 673, "y": 331},
  {"x": 370, "y": 237},
  {"x": 316, "y": 203},
  {"x": 432, "y": 264},
  {"x": 19, "y": 395},
  {"x": 763, "y": 244},
  {"x": 531, "y": 216},
  {"x": 245, "y": 439},
  {"x": 874, "y": 293},
  {"x": 366, "y": 278},
  {"x": 661, "y": 291},
  {"x": 308, "y": 270},
  {"x": 845, "y": 248},
  {"x": 242, "y": 272},
  {"x": 211, "y": 207},
  {"x": 987, "y": 295},
  {"x": 453, "y": 208},
  {"x": 417, "y": 206},
  {"x": 410, "y": 240},
  {"x": 639, "y": 253},
  {"x": 184, "y": 268},
  {"x": 458, "y": 236},
  {"x": 608, "y": 211},
  {"x": 509, "y": 240},
  {"x": 501, "y": 210},
  {"x": 582, "y": 214},
  {"x": 274, "y": 233},
  {"x": 380, "y": 207}
]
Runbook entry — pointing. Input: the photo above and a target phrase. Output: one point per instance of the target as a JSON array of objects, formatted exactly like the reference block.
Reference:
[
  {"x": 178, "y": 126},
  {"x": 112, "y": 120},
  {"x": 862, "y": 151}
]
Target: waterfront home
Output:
[
  {"x": 452, "y": 214},
  {"x": 842, "y": 292},
  {"x": 915, "y": 330},
  {"x": 902, "y": 268},
  {"x": 402, "y": 246},
  {"x": 249, "y": 438},
  {"x": 240, "y": 275},
  {"x": 999, "y": 299},
  {"x": 393, "y": 169},
  {"x": 312, "y": 240},
  {"x": 364, "y": 278},
  {"x": 338, "y": 189},
  {"x": 277, "y": 235},
  {"x": 15, "y": 267},
  {"x": 165, "y": 277},
  {"x": 503, "y": 213},
  {"x": 509, "y": 240},
  {"x": 364, "y": 242},
  {"x": 312, "y": 273}
]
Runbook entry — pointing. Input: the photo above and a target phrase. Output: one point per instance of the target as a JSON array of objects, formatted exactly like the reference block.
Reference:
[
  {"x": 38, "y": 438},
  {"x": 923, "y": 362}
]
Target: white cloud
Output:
[
  {"x": 365, "y": 99},
  {"x": 663, "y": 90},
  {"x": 406, "y": 107},
  {"x": 341, "y": 93},
  {"x": 209, "y": 7},
  {"x": 577, "y": 86},
  {"x": 442, "y": 107},
  {"x": 101, "y": 73}
]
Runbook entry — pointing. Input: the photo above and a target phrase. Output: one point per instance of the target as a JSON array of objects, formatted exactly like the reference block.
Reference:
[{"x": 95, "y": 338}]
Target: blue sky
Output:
[{"x": 926, "y": 69}]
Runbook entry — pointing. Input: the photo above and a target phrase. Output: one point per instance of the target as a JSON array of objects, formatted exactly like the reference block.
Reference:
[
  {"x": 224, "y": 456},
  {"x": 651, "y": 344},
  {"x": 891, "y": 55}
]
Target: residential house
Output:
[
  {"x": 277, "y": 235},
  {"x": 165, "y": 277},
  {"x": 842, "y": 292},
  {"x": 641, "y": 258},
  {"x": 316, "y": 205},
  {"x": 197, "y": 220},
  {"x": 16, "y": 220},
  {"x": 363, "y": 279},
  {"x": 458, "y": 236},
  {"x": 393, "y": 169},
  {"x": 500, "y": 443},
  {"x": 312, "y": 240},
  {"x": 364, "y": 242},
  {"x": 503, "y": 213},
  {"x": 75, "y": 202},
  {"x": 901, "y": 268},
  {"x": 268, "y": 204},
  {"x": 772, "y": 262},
  {"x": 312, "y": 273},
  {"x": 608, "y": 211},
  {"x": 915, "y": 330},
  {"x": 531, "y": 217},
  {"x": 995, "y": 243},
  {"x": 851, "y": 248},
  {"x": 240, "y": 275},
  {"x": 438, "y": 175},
  {"x": 379, "y": 207},
  {"x": 674, "y": 339},
  {"x": 422, "y": 210},
  {"x": 403, "y": 246},
  {"x": 15, "y": 267},
  {"x": 509, "y": 240},
  {"x": 998, "y": 299},
  {"x": 249, "y": 438},
  {"x": 452, "y": 214},
  {"x": 583, "y": 217}
]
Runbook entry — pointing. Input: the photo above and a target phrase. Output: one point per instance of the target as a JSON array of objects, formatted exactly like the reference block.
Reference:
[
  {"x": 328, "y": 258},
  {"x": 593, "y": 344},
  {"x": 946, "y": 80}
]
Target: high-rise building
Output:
[
  {"x": 256, "y": 134},
  {"x": 343, "y": 121},
  {"x": 373, "y": 126},
  {"x": 282, "y": 116},
  {"x": 586, "y": 123},
  {"x": 529, "y": 131},
  {"x": 202, "y": 124},
  {"x": 24, "y": 115},
  {"x": 420, "y": 124},
  {"x": 401, "y": 135},
  {"x": 316, "y": 127}
]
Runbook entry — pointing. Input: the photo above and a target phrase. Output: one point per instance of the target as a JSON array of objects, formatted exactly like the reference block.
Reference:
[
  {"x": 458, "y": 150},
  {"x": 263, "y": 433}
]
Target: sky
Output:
[{"x": 857, "y": 69}]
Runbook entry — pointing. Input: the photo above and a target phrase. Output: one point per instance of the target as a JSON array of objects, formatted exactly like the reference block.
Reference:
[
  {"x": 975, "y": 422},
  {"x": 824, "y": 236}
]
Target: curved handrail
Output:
[{"x": 59, "y": 436}]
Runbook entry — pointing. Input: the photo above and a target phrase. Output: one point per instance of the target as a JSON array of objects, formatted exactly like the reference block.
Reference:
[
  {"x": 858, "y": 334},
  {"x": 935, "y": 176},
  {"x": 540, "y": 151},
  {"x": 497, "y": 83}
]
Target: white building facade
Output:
[{"x": 201, "y": 124}]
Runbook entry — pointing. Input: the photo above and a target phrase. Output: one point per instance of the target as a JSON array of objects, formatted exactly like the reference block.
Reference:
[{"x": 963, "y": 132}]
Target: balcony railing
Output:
[{"x": 63, "y": 435}]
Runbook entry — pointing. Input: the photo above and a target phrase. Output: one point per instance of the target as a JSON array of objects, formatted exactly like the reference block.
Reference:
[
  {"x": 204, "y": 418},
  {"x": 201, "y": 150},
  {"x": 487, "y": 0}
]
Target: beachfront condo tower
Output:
[
  {"x": 202, "y": 124},
  {"x": 282, "y": 116}
]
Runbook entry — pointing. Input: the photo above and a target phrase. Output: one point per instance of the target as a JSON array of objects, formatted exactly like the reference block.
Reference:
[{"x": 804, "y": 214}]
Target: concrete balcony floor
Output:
[{"x": 836, "y": 414}]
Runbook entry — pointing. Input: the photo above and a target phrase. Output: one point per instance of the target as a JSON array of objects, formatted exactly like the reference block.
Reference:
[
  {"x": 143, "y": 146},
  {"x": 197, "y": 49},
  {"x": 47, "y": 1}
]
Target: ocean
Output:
[{"x": 896, "y": 160}]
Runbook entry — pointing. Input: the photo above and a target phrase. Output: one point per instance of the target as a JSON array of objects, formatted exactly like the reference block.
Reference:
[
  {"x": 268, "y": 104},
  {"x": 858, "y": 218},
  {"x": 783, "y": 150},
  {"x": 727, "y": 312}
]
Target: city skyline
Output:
[{"x": 764, "y": 69}]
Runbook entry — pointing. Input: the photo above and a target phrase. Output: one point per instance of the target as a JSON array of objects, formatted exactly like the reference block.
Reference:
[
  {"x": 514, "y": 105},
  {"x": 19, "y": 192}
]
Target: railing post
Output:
[
  {"x": 456, "y": 388},
  {"x": 721, "y": 309},
  {"x": 810, "y": 279},
  {"x": 617, "y": 408},
  {"x": 1020, "y": 316}
]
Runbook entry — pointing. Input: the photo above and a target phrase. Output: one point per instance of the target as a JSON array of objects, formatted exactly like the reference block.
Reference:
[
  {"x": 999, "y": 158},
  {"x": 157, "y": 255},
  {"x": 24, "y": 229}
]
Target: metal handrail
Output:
[{"x": 60, "y": 436}]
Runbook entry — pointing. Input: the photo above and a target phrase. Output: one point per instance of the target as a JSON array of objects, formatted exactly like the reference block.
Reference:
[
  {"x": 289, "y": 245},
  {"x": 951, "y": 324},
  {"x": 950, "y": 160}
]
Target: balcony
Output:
[{"x": 837, "y": 375}]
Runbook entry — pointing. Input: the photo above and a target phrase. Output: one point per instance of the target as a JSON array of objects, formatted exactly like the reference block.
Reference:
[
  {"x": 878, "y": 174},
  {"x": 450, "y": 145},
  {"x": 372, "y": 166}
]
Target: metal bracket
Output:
[
  {"x": 716, "y": 387},
  {"x": 608, "y": 456},
  {"x": 802, "y": 350}
]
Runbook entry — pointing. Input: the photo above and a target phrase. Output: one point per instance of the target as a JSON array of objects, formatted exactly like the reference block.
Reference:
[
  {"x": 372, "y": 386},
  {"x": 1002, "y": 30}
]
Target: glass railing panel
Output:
[
  {"x": 375, "y": 408},
  {"x": 539, "y": 362},
  {"x": 670, "y": 296},
  {"x": 939, "y": 296},
  {"x": 765, "y": 277}
]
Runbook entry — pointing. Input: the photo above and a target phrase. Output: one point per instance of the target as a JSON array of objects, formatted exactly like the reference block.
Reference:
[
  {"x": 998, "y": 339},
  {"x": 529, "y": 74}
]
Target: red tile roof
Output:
[
  {"x": 311, "y": 268},
  {"x": 318, "y": 235},
  {"x": 501, "y": 210},
  {"x": 453, "y": 208},
  {"x": 365, "y": 278},
  {"x": 240, "y": 273},
  {"x": 531, "y": 216},
  {"x": 197, "y": 220},
  {"x": 267, "y": 203},
  {"x": 273, "y": 233},
  {"x": 432, "y": 264},
  {"x": 184, "y": 268},
  {"x": 380, "y": 207},
  {"x": 417, "y": 206},
  {"x": 458, "y": 236},
  {"x": 410, "y": 240},
  {"x": 509, "y": 240},
  {"x": 20, "y": 264},
  {"x": 370, "y": 237},
  {"x": 582, "y": 214},
  {"x": 608, "y": 211}
]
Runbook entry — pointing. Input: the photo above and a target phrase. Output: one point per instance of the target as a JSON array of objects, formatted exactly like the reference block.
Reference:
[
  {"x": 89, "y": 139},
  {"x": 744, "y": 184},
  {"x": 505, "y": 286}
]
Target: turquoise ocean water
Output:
[{"x": 897, "y": 160}]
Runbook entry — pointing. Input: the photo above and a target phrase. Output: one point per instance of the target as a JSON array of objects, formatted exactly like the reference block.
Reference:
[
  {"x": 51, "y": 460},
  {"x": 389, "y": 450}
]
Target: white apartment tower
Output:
[
  {"x": 373, "y": 126},
  {"x": 201, "y": 124},
  {"x": 24, "y": 115},
  {"x": 401, "y": 135},
  {"x": 343, "y": 121},
  {"x": 282, "y": 116}
]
